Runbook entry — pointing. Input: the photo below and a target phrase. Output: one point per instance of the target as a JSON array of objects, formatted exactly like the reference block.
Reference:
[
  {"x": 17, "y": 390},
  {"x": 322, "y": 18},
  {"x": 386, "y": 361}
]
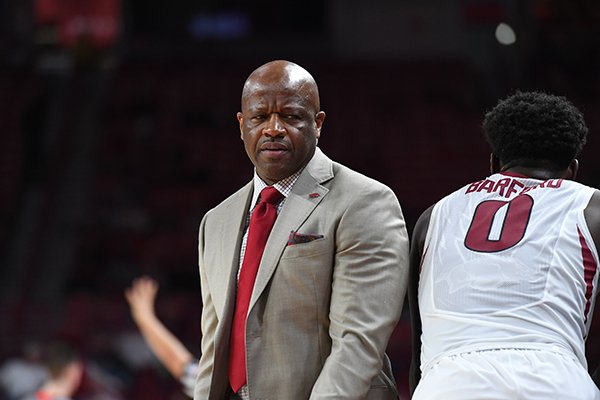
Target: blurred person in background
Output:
[
  {"x": 303, "y": 271},
  {"x": 169, "y": 350},
  {"x": 504, "y": 271},
  {"x": 64, "y": 367},
  {"x": 24, "y": 374}
]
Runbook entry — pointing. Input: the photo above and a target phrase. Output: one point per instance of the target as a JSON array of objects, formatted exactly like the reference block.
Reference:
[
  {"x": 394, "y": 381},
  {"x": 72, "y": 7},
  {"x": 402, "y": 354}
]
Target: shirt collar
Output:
[{"x": 284, "y": 186}]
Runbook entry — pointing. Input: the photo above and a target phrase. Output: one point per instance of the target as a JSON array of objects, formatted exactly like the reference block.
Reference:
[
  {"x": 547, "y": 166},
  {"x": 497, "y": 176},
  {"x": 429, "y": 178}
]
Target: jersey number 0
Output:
[{"x": 499, "y": 225}]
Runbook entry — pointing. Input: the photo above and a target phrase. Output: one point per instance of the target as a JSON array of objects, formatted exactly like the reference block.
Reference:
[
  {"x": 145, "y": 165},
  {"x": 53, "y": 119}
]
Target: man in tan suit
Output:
[{"x": 331, "y": 281}]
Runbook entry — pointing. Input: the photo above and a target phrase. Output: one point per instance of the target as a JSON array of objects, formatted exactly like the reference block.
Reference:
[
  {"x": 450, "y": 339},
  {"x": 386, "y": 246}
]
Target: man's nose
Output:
[{"x": 274, "y": 127}]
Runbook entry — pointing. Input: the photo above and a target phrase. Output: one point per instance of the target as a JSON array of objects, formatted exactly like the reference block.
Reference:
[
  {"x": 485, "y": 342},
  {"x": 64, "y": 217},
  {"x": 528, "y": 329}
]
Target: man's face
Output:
[{"x": 280, "y": 125}]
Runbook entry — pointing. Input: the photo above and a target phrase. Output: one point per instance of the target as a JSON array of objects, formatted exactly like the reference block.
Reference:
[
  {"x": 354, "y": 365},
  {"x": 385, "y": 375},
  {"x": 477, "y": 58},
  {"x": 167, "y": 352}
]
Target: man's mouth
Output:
[
  {"x": 273, "y": 149},
  {"x": 273, "y": 146}
]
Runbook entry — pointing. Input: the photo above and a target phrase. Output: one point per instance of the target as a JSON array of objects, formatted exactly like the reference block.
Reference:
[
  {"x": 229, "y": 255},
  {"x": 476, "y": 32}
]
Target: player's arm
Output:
[
  {"x": 416, "y": 253},
  {"x": 167, "y": 348},
  {"x": 592, "y": 218}
]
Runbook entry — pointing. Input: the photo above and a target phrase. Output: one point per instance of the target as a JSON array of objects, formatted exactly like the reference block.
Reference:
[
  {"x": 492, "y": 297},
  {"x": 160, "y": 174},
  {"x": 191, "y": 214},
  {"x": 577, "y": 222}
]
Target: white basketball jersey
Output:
[{"x": 508, "y": 262}]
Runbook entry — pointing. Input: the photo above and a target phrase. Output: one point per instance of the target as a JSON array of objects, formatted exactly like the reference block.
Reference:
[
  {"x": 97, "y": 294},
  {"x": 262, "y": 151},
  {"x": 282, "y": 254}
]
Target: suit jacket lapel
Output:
[
  {"x": 306, "y": 194},
  {"x": 224, "y": 276}
]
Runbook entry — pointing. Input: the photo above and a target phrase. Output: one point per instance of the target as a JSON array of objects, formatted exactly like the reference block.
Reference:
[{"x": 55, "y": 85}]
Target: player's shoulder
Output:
[
  {"x": 580, "y": 185},
  {"x": 593, "y": 207},
  {"x": 592, "y": 216},
  {"x": 585, "y": 192}
]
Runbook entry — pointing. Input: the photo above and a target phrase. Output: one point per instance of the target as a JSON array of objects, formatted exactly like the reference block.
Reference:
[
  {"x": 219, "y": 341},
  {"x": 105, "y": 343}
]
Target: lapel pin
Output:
[{"x": 313, "y": 195}]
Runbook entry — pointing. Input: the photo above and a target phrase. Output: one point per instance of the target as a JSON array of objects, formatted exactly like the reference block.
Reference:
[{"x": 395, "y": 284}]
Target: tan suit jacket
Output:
[{"x": 323, "y": 308}]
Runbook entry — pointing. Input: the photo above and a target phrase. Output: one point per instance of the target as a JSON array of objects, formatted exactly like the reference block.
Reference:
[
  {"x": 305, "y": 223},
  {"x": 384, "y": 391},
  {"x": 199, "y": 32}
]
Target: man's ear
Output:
[
  {"x": 572, "y": 169},
  {"x": 319, "y": 119},
  {"x": 240, "y": 118},
  {"x": 494, "y": 164}
]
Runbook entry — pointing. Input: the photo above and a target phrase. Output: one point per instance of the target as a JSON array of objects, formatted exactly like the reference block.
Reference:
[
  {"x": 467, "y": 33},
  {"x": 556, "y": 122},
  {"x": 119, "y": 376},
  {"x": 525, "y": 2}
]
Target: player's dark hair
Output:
[{"x": 532, "y": 128}]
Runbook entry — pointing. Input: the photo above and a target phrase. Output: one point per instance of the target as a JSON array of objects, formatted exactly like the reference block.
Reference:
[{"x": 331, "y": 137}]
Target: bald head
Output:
[
  {"x": 280, "y": 120},
  {"x": 283, "y": 75}
]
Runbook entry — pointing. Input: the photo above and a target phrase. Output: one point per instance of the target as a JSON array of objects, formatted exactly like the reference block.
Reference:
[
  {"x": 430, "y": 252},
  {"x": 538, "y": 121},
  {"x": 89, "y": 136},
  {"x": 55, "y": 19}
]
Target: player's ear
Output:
[
  {"x": 494, "y": 163},
  {"x": 572, "y": 169}
]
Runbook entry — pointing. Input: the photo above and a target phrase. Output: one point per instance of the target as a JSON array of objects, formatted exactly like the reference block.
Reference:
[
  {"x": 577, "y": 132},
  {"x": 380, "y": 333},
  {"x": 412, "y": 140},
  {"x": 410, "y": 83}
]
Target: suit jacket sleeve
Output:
[
  {"x": 368, "y": 289},
  {"x": 209, "y": 326}
]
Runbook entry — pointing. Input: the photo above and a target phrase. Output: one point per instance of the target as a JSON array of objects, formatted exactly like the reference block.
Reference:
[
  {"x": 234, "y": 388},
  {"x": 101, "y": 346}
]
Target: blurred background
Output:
[{"x": 118, "y": 132}]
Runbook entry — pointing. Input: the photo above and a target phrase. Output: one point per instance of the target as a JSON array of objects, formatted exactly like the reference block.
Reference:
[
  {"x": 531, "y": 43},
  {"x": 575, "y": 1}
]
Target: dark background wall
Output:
[{"x": 118, "y": 132}]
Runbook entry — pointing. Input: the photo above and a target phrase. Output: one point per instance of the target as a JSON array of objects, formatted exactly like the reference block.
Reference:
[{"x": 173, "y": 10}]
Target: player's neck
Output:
[{"x": 535, "y": 173}]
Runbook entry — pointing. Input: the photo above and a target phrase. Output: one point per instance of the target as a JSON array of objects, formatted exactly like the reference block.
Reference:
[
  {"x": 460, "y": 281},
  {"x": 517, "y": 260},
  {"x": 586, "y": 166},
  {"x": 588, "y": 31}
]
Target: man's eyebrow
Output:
[{"x": 284, "y": 107}]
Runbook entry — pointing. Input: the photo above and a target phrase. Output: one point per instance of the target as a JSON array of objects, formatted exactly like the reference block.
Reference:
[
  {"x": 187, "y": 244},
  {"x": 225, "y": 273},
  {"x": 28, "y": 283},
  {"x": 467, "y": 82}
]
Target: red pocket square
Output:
[{"x": 298, "y": 238}]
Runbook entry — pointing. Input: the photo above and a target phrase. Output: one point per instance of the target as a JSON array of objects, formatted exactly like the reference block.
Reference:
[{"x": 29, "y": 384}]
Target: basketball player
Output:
[{"x": 504, "y": 270}]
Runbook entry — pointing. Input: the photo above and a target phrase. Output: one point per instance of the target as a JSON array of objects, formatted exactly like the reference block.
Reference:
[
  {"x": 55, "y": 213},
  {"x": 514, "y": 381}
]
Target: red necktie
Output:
[{"x": 261, "y": 223}]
